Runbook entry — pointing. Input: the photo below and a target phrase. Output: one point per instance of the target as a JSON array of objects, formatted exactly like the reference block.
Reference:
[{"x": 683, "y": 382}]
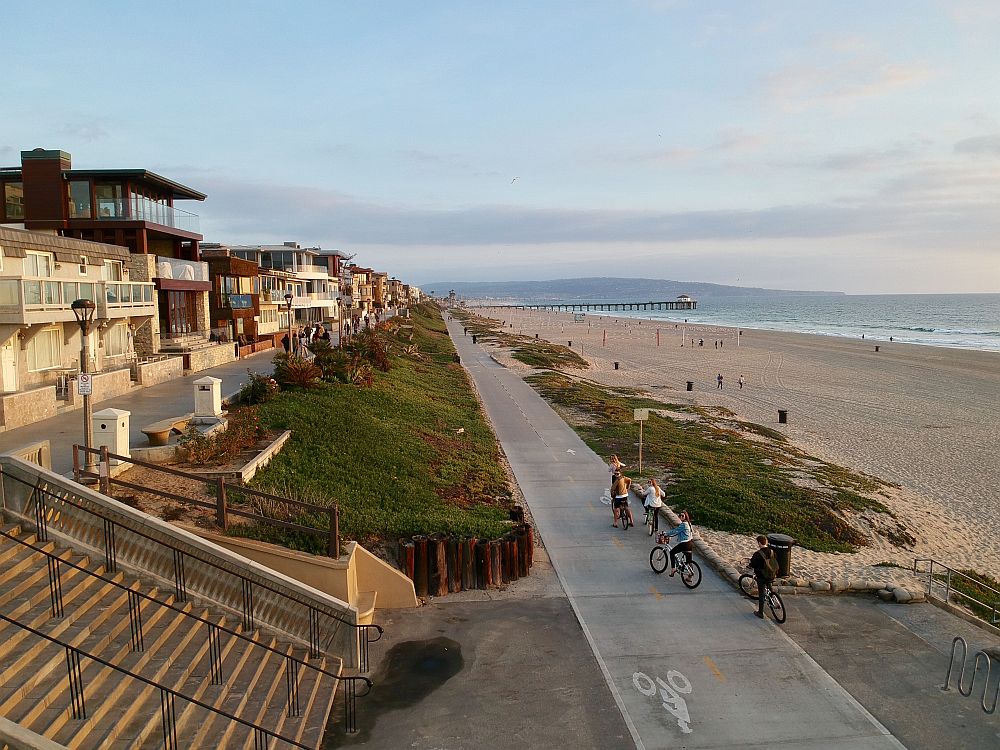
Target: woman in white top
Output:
[{"x": 653, "y": 498}]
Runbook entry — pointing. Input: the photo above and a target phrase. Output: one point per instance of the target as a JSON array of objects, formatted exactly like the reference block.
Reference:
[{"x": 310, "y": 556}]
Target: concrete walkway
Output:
[
  {"x": 170, "y": 399},
  {"x": 689, "y": 669}
]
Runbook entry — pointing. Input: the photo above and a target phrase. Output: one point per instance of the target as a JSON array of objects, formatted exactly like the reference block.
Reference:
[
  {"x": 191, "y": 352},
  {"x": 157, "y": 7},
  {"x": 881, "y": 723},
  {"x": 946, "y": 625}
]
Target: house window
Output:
[
  {"x": 83, "y": 265},
  {"x": 79, "y": 199},
  {"x": 45, "y": 350},
  {"x": 37, "y": 264},
  {"x": 112, "y": 270},
  {"x": 116, "y": 340},
  {"x": 110, "y": 203},
  {"x": 13, "y": 200}
]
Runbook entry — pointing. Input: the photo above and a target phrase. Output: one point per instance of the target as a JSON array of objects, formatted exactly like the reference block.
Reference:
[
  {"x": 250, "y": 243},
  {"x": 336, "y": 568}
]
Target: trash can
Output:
[
  {"x": 569, "y": 344},
  {"x": 616, "y": 365},
  {"x": 782, "y": 416},
  {"x": 782, "y": 546},
  {"x": 876, "y": 348},
  {"x": 473, "y": 338},
  {"x": 690, "y": 385}
]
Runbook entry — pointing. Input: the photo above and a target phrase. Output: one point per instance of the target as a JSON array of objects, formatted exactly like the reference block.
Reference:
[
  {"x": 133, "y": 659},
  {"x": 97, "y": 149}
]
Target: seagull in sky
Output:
[{"x": 513, "y": 181}]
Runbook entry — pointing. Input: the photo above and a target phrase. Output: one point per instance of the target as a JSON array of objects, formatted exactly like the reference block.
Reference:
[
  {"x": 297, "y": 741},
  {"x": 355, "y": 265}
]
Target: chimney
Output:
[{"x": 44, "y": 188}]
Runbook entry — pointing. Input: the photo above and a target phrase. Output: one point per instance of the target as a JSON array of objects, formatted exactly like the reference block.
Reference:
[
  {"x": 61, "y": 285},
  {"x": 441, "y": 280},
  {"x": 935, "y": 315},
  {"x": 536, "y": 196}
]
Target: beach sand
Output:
[{"x": 925, "y": 418}]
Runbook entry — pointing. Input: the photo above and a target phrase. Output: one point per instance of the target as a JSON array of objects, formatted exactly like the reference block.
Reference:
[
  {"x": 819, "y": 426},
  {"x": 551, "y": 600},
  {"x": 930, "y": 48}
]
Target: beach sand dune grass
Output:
[
  {"x": 525, "y": 349},
  {"x": 729, "y": 480}
]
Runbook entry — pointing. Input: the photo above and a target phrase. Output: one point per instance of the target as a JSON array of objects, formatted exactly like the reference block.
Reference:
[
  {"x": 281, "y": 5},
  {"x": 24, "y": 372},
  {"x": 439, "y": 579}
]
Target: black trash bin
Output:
[
  {"x": 616, "y": 365},
  {"x": 690, "y": 385},
  {"x": 782, "y": 546},
  {"x": 782, "y": 416}
]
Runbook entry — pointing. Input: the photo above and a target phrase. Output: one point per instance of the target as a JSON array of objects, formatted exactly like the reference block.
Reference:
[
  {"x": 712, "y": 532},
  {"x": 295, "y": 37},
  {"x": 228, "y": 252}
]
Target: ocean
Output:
[{"x": 964, "y": 321}]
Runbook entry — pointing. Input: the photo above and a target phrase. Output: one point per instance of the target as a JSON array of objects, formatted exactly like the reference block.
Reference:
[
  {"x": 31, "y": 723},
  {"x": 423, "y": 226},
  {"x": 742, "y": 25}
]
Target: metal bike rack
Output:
[{"x": 980, "y": 658}]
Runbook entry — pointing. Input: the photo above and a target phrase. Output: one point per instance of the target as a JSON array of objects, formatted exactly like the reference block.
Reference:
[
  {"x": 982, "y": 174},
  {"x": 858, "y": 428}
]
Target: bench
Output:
[{"x": 159, "y": 433}]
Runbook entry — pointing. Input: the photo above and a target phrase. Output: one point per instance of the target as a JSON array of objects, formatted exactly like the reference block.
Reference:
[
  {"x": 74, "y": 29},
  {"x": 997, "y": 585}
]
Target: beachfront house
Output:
[
  {"x": 41, "y": 275},
  {"x": 134, "y": 209}
]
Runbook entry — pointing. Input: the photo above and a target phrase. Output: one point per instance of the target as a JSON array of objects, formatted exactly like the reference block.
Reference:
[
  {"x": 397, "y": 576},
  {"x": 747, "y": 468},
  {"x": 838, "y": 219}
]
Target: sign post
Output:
[{"x": 640, "y": 416}]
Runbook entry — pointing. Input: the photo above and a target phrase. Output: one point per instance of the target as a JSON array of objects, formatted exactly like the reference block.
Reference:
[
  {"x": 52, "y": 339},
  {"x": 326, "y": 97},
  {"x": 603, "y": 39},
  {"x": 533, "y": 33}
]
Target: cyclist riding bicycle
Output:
[
  {"x": 765, "y": 567},
  {"x": 619, "y": 499},
  {"x": 685, "y": 539},
  {"x": 653, "y": 499}
]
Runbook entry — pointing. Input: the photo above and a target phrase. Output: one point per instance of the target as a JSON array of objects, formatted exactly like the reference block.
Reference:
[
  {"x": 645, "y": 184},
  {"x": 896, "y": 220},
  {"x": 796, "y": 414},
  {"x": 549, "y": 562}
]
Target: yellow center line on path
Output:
[
  {"x": 618, "y": 542},
  {"x": 715, "y": 670},
  {"x": 655, "y": 593}
]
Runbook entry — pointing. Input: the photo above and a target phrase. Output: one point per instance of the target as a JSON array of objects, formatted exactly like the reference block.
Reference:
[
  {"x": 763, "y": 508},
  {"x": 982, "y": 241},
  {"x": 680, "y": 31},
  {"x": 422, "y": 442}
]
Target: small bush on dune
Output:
[{"x": 296, "y": 372}]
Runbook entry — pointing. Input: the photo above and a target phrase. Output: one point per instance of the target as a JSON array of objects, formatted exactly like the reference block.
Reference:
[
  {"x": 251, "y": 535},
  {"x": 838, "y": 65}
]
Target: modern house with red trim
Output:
[{"x": 132, "y": 208}]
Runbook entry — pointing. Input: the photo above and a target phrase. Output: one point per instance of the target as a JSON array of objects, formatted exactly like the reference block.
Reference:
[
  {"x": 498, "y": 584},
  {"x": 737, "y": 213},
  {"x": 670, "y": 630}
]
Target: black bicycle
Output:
[
  {"x": 659, "y": 559},
  {"x": 748, "y": 585},
  {"x": 624, "y": 516}
]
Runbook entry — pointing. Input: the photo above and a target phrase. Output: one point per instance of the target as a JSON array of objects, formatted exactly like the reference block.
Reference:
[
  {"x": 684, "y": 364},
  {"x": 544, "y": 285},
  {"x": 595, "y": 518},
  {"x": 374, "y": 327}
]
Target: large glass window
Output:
[
  {"x": 79, "y": 199},
  {"x": 13, "y": 200},
  {"x": 112, "y": 270},
  {"x": 110, "y": 204},
  {"x": 45, "y": 349}
]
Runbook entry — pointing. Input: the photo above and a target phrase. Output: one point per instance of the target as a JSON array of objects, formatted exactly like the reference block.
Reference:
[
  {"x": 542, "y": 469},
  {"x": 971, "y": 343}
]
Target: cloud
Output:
[
  {"x": 442, "y": 163},
  {"x": 984, "y": 145},
  {"x": 840, "y": 84},
  {"x": 88, "y": 132},
  {"x": 246, "y": 212}
]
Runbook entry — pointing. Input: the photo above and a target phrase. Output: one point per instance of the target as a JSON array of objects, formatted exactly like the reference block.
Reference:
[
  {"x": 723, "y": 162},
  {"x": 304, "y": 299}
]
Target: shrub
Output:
[
  {"x": 259, "y": 389},
  {"x": 243, "y": 431},
  {"x": 296, "y": 372}
]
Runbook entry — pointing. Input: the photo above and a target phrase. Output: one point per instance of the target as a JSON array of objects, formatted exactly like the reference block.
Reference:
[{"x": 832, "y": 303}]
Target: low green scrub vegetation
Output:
[
  {"x": 543, "y": 355},
  {"x": 404, "y": 449},
  {"x": 731, "y": 476},
  {"x": 981, "y": 588}
]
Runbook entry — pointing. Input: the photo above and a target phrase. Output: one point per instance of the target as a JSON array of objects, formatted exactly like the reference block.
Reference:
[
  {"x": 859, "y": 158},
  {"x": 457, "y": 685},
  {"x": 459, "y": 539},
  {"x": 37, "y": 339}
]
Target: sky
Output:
[{"x": 845, "y": 145}]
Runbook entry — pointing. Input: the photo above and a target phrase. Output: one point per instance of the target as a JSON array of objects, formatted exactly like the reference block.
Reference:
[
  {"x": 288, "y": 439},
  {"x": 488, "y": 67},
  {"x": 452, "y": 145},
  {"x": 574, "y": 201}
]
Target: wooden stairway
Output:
[{"x": 122, "y": 712}]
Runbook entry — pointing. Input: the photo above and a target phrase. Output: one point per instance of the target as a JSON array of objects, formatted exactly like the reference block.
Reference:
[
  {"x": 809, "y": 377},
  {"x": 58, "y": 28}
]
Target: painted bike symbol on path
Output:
[{"x": 670, "y": 694}]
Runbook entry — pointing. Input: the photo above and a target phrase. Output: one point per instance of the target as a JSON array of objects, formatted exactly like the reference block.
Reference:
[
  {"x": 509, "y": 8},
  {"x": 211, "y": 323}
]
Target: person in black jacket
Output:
[{"x": 761, "y": 572}]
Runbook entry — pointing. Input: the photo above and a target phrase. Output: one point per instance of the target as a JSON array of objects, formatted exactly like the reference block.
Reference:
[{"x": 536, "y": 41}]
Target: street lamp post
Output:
[
  {"x": 84, "y": 310},
  {"x": 288, "y": 306}
]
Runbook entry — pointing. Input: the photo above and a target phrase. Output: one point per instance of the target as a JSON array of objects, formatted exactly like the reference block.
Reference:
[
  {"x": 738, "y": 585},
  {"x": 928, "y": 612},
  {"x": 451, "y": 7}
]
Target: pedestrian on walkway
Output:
[
  {"x": 741, "y": 381},
  {"x": 718, "y": 379}
]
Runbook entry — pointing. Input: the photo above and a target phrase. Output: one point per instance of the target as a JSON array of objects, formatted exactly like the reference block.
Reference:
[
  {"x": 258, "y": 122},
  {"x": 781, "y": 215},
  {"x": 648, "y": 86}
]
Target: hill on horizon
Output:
[{"x": 603, "y": 288}]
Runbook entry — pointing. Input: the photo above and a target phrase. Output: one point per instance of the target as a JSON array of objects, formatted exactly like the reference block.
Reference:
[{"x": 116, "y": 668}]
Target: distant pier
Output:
[{"x": 681, "y": 303}]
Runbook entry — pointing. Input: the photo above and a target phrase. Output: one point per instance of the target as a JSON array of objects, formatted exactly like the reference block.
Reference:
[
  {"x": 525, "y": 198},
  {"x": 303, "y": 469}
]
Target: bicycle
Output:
[
  {"x": 748, "y": 585},
  {"x": 659, "y": 559},
  {"x": 624, "y": 517},
  {"x": 650, "y": 519}
]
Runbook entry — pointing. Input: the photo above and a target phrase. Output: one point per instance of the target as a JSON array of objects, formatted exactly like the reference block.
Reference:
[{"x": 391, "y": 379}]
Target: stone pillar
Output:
[{"x": 146, "y": 336}]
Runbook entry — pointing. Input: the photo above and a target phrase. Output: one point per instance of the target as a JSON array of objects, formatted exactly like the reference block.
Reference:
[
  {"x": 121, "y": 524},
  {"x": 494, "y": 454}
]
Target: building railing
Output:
[
  {"x": 235, "y": 301},
  {"x": 175, "y": 268},
  {"x": 48, "y": 294},
  {"x": 159, "y": 213}
]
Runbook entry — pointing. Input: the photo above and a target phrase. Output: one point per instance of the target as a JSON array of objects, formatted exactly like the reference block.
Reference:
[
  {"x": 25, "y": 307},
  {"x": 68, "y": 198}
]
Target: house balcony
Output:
[
  {"x": 183, "y": 270},
  {"x": 31, "y": 301},
  {"x": 149, "y": 211},
  {"x": 236, "y": 301}
]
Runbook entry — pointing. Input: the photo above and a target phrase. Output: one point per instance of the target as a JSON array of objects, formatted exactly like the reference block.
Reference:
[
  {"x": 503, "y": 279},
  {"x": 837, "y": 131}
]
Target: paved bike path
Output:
[{"x": 668, "y": 654}]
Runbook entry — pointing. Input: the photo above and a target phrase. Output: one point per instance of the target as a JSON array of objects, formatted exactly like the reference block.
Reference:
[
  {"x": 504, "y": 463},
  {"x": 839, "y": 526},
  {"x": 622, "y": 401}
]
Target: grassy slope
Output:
[
  {"x": 727, "y": 481},
  {"x": 391, "y": 454}
]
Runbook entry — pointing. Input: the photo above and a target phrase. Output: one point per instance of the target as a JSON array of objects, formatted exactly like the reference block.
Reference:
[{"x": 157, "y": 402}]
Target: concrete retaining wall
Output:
[
  {"x": 19, "y": 409},
  {"x": 154, "y": 373},
  {"x": 202, "y": 359}
]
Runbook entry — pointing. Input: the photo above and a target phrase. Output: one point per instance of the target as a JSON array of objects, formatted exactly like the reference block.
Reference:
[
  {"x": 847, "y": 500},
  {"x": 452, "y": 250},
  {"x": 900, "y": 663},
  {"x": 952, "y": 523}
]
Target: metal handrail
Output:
[
  {"x": 333, "y": 547},
  {"x": 135, "y": 592},
  {"x": 314, "y": 636},
  {"x": 949, "y": 575},
  {"x": 978, "y": 659},
  {"x": 168, "y": 717}
]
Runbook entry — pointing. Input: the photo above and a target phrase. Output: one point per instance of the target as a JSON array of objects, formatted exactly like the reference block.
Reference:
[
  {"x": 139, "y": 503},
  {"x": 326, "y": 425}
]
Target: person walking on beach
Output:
[
  {"x": 718, "y": 379},
  {"x": 741, "y": 381}
]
